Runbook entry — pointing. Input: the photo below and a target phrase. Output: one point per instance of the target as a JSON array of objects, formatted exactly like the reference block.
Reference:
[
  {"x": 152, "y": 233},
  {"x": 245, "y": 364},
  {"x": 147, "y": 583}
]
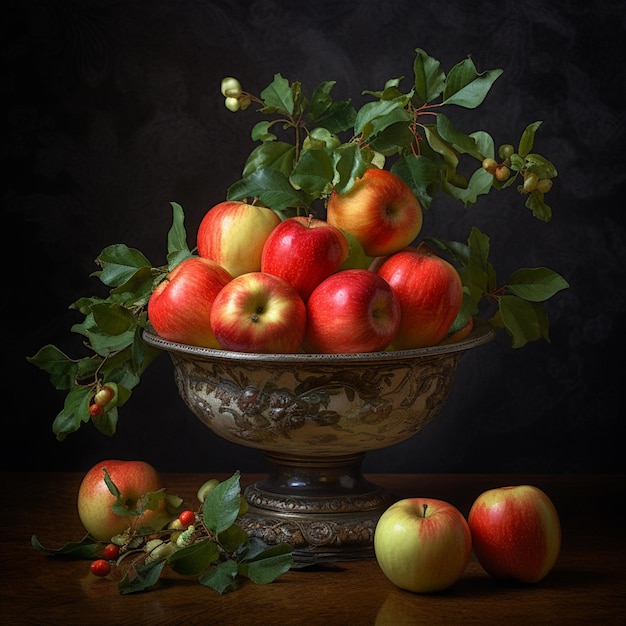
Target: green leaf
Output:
[
  {"x": 479, "y": 184},
  {"x": 462, "y": 142},
  {"x": 261, "y": 132},
  {"x": 350, "y": 165},
  {"x": 278, "y": 96},
  {"x": 429, "y": 78},
  {"x": 86, "y": 548},
  {"x": 370, "y": 112},
  {"x": 75, "y": 411},
  {"x": 441, "y": 146},
  {"x": 525, "y": 321},
  {"x": 536, "y": 284},
  {"x": 419, "y": 173},
  {"x": 233, "y": 538},
  {"x": 321, "y": 101},
  {"x": 141, "y": 578},
  {"x": 277, "y": 155},
  {"x": 221, "y": 507},
  {"x": 528, "y": 138},
  {"x": 535, "y": 202},
  {"x": 113, "y": 319},
  {"x": 466, "y": 87},
  {"x": 63, "y": 371},
  {"x": 177, "y": 235},
  {"x": 119, "y": 263},
  {"x": 194, "y": 559},
  {"x": 221, "y": 578},
  {"x": 268, "y": 565},
  {"x": 314, "y": 172},
  {"x": 271, "y": 187}
]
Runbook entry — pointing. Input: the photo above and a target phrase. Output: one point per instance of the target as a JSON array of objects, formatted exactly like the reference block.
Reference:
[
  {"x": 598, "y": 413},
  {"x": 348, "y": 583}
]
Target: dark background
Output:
[{"x": 112, "y": 110}]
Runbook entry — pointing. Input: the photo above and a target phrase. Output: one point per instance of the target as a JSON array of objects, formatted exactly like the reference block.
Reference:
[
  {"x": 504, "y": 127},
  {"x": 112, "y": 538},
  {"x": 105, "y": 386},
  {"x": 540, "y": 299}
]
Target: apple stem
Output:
[
  {"x": 310, "y": 220},
  {"x": 425, "y": 507}
]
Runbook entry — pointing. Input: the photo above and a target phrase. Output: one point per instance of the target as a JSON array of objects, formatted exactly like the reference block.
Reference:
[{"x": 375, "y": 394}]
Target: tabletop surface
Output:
[{"x": 586, "y": 586}]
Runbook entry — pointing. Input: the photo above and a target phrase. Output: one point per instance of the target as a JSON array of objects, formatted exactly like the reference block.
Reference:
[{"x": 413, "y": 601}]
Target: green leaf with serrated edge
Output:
[
  {"x": 107, "y": 422},
  {"x": 75, "y": 411},
  {"x": 221, "y": 507},
  {"x": 525, "y": 321},
  {"x": 100, "y": 342},
  {"x": 268, "y": 565},
  {"x": 136, "y": 290},
  {"x": 271, "y": 187},
  {"x": 86, "y": 548},
  {"x": 119, "y": 263},
  {"x": 395, "y": 117},
  {"x": 536, "y": 204},
  {"x": 277, "y": 156},
  {"x": 463, "y": 143},
  {"x": 222, "y": 578},
  {"x": 261, "y": 132},
  {"x": 528, "y": 138},
  {"x": 313, "y": 172},
  {"x": 349, "y": 165},
  {"x": 371, "y": 111},
  {"x": 535, "y": 283},
  {"x": 194, "y": 559},
  {"x": 112, "y": 319},
  {"x": 484, "y": 143},
  {"x": 393, "y": 139},
  {"x": 320, "y": 101},
  {"x": 419, "y": 173},
  {"x": 466, "y": 87},
  {"x": 63, "y": 371},
  {"x": 440, "y": 146},
  {"x": 141, "y": 578},
  {"x": 233, "y": 538},
  {"x": 278, "y": 95},
  {"x": 480, "y": 183},
  {"x": 429, "y": 78},
  {"x": 339, "y": 117},
  {"x": 540, "y": 166}
]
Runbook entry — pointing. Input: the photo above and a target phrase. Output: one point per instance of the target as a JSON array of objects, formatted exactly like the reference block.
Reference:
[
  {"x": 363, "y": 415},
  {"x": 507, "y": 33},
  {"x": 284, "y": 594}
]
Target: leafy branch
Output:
[{"x": 215, "y": 549}]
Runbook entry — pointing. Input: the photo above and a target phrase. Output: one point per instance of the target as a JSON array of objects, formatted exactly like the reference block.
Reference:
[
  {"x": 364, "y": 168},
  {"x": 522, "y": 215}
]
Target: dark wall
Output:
[{"x": 112, "y": 111}]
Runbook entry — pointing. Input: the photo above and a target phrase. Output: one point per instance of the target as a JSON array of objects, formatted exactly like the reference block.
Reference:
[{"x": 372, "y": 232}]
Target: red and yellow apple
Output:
[
  {"x": 430, "y": 293},
  {"x": 259, "y": 312},
  {"x": 179, "y": 308},
  {"x": 304, "y": 251},
  {"x": 422, "y": 544},
  {"x": 351, "y": 311},
  {"x": 134, "y": 479},
  {"x": 233, "y": 234},
  {"x": 380, "y": 210},
  {"x": 516, "y": 532}
]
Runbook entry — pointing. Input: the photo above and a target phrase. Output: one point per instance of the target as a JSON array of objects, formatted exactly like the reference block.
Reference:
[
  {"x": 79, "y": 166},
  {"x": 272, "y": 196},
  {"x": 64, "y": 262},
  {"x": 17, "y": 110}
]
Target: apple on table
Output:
[
  {"x": 516, "y": 532},
  {"x": 422, "y": 544},
  {"x": 134, "y": 479}
]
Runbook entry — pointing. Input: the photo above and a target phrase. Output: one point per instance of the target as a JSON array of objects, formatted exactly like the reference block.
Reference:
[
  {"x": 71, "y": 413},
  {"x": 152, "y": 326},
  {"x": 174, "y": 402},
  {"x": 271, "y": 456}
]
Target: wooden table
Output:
[{"x": 587, "y": 585}]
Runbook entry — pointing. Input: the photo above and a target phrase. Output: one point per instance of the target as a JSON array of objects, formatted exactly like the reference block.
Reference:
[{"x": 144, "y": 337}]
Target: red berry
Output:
[
  {"x": 100, "y": 567},
  {"x": 186, "y": 518},
  {"x": 95, "y": 410},
  {"x": 111, "y": 552}
]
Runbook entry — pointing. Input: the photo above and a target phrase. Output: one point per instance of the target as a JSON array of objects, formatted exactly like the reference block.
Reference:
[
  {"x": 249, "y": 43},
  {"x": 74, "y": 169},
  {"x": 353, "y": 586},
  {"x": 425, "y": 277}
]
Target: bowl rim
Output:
[{"x": 481, "y": 333}]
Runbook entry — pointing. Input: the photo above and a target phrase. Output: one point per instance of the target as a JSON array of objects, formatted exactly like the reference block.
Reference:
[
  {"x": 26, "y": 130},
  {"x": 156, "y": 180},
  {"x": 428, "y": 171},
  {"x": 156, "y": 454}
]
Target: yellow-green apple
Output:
[
  {"x": 233, "y": 233},
  {"x": 353, "y": 310},
  {"x": 179, "y": 308},
  {"x": 304, "y": 251},
  {"x": 516, "y": 532},
  {"x": 134, "y": 479},
  {"x": 380, "y": 210},
  {"x": 259, "y": 312},
  {"x": 422, "y": 544},
  {"x": 430, "y": 293}
]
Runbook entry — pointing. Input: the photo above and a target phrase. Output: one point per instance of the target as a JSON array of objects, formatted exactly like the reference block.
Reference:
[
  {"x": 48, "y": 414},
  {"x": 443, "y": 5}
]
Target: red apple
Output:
[
  {"x": 430, "y": 293},
  {"x": 179, "y": 308},
  {"x": 259, "y": 312},
  {"x": 422, "y": 544},
  {"x": 516, "y": 532},
  {"x": 304, "y": 251},
  {"x": 354, "y": 310},
  {"x": 233, "y": 233},
  {"x": 134, "y": 479},
  {"x": 380, "y": 210}
]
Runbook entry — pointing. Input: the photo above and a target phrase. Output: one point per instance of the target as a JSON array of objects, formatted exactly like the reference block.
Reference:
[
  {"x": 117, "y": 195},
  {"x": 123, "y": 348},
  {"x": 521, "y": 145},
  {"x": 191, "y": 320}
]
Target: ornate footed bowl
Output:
[{"x": 315, "y": 416}]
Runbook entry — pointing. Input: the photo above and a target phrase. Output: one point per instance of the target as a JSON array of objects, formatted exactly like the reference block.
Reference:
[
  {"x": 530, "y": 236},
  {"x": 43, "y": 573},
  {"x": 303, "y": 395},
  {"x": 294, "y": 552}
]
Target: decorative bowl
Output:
[{"x": 315, "y": 416}]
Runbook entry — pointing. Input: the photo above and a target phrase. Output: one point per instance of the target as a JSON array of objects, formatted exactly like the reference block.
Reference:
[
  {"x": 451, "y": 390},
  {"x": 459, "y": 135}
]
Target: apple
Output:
[
  {"x": 422, "y": 544},
  {"x": 259, "y": 312},
  {"x": 304, "y": 251},
  {"x": 233, "y": 233},
  {"x": 179, "y": 307},
  {"x": 354, "y": 310},
  {"x": 430, "y": 293},
  {"x": 516, "y": 532},
  {"x": 380, "y": 210},
  {"x": 134, "y": 479}
]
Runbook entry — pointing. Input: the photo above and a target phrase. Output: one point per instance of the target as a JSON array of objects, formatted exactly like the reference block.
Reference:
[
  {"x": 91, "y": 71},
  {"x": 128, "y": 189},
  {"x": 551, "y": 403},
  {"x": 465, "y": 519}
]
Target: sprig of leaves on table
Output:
[
  {"x": 218, "y": 551},
  {"x": 406, "y": 130}
]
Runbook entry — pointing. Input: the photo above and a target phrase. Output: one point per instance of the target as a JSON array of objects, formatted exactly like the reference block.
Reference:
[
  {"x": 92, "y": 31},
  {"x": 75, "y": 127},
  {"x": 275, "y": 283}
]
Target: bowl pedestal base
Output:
[{"x": 323, "y": 507}]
